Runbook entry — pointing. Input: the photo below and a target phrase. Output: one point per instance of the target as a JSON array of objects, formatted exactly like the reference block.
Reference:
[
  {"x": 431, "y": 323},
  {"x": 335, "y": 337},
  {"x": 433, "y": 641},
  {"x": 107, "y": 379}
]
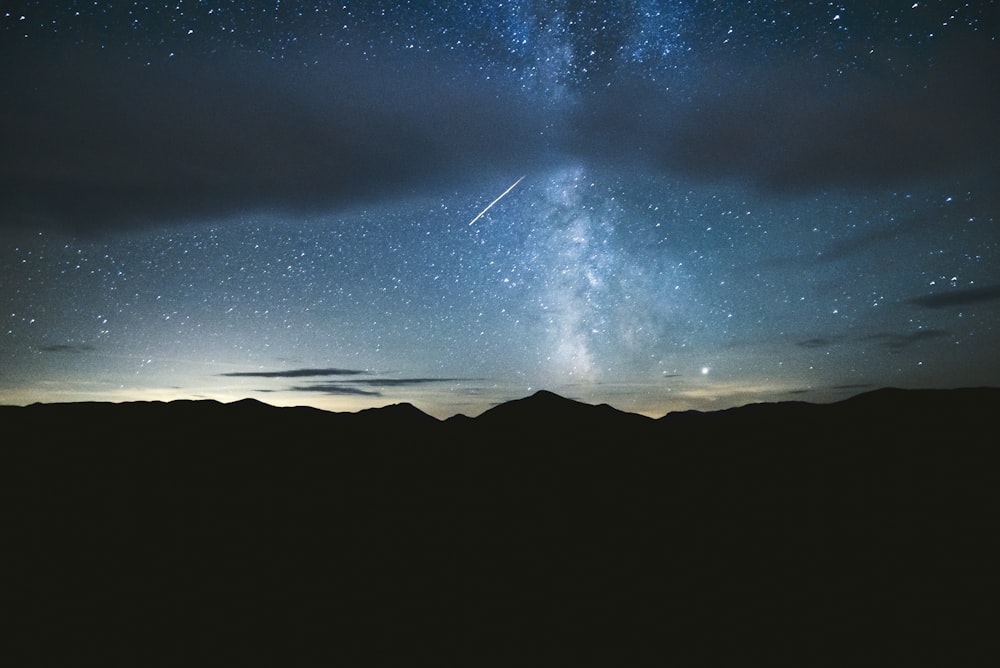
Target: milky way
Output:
[{"x": 720, "y": 203}]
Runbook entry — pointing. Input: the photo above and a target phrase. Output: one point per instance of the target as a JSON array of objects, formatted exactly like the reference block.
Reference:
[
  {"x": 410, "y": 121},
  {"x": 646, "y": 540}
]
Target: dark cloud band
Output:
[
  {"x": 66, "y": 348},
  {"x": 894, "y": 341},
  {"x": 294, "y": 373},
  {"x": 336, "y": 390},
  {"x": 92, "y": 142},
  {"x": 958, "y": 297},
  {"x": 95, "y": 141}
]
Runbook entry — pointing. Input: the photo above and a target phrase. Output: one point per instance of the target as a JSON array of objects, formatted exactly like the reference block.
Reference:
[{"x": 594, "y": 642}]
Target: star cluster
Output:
[{"x": 720, "y": 203}]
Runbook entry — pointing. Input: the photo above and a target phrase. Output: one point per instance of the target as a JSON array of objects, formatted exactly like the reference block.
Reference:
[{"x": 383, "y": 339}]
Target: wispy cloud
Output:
[
  {"x": 406, "y": 382},
  {"x": 818, "y": 342},
  {"x": 357, "y": 386},
  {"x": 960, "y": 297},
  {"x": 294, "y": 373},
  {"x": 66, "y": 348},
  {"x": 341, "y": 381},
  {"x": 335, "y": 389},
  {"x": 896, "y": 341}
]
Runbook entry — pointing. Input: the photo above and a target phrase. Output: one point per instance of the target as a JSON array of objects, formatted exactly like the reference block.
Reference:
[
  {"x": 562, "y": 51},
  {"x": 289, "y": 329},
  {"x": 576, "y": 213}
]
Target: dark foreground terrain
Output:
[{"x": 544, "y": 532}]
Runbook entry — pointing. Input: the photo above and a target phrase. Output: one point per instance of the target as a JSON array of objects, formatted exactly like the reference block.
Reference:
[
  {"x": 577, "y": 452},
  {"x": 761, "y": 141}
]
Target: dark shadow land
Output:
[{"x": 544, "y": 532}]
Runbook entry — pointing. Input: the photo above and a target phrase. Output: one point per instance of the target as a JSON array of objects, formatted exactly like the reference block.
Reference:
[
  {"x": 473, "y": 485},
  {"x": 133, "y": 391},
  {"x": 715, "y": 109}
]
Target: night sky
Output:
[{"x": 703, "y": 204}]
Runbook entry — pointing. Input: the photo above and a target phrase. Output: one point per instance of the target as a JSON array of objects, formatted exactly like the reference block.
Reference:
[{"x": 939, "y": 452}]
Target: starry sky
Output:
[{"x": 658, "y": 205}]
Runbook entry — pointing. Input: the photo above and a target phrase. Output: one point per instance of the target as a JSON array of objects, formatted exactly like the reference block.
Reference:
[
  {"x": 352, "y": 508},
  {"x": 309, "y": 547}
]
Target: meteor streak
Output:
[{"x": 490, "y": 205}]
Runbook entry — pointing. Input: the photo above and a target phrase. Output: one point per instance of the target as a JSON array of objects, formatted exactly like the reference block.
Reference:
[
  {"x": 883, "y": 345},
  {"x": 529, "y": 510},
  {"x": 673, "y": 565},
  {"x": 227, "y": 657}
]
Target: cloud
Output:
[
  {"x": 894, "y": 341},
  {"x": 93, "y": 141},
  {"x": 890, "y": 340},
  {"x": 791, "y": 127},
  {"x": 850, "y": 245},
  {"x": 958, "y": 297},
  {"x": 66, "y": 348},
  {"x": 294, "y": 373},
  {"x": 355, "y": 386},
  {"x": 406, "y": 382},
  {"x": 335, "y": 389},
  {"x": 940, "y": 217},
  {"x": 818, "y": 342}
]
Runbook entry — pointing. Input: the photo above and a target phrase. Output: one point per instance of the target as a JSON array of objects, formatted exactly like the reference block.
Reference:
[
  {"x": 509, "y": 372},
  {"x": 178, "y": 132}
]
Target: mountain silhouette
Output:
[
  {"x": 546, "y": 415},
  {"x": 545, "y": 531},
  {"x": 402, "y": 413},
  {"x": 879, "y": 418},
  {"x": 543, "y": 416}
]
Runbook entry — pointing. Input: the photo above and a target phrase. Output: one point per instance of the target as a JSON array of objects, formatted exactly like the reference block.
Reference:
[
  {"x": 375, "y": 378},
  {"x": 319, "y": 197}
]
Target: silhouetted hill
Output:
[
  {"x": 543, "y": 532},
  {"x": 879, "y": 418},
  {"x": 404, "y": 415},
  {"x": 458, "y": 419},
  {"x": 550, "y": 416}
]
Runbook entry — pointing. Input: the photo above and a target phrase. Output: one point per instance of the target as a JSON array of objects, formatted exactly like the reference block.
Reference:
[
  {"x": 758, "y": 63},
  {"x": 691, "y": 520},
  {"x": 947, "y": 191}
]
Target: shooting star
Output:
[{"x": 490, "y": 205}]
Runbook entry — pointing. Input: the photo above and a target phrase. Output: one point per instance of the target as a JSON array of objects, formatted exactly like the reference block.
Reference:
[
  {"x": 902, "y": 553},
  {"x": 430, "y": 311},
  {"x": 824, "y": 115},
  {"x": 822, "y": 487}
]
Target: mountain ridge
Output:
[
  {"x": 543, "y": 416},
  {"x": 535, "y": 403}
]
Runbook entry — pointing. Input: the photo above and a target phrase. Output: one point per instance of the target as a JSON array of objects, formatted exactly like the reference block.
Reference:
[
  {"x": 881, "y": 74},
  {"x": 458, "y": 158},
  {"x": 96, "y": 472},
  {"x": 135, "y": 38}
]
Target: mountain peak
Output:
[
  {"x": 249, "y": 404},
  {"x": 546, "y": 395},
  {"x": 397, "y": 412},
  {"x": 536, "y": 404},
  {"x": 551, "y": 416}
]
